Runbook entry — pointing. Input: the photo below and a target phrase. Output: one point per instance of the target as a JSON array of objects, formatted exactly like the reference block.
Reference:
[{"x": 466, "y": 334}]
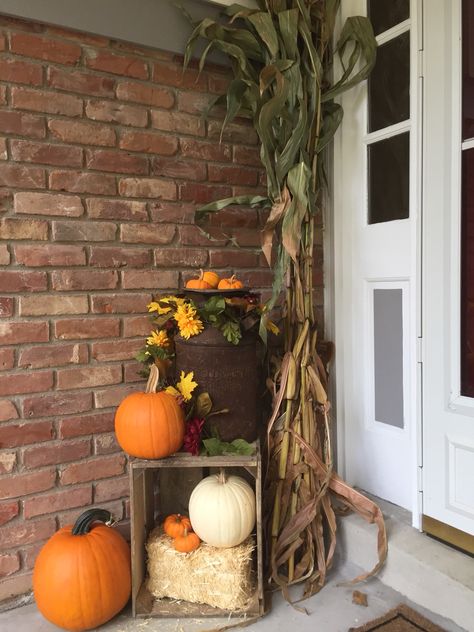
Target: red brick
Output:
[
  {"x": 23, "y": 229},
  {"x": 9, "y": 564},
  {"x": 110, "y": 490},
  {"x": 48, "y": 203},
  {"x": 26, "y": 383},
  {"x": 86, "y": 425},
  {"x": 16, "y": 585},
  {"x": 55, "y": 453},
  {"x": 53, "y": 356},
  {"x": 16, "y": 71},
  {"x": 147, "y": 233},
  {"x": 115, "y": 507},
  {"x": 132, "y": 371},
  {"x": 7, "y": 359},
  {"x": 113, "y": 395},
  {"x": 18, "y": 176},
  {"x": 6, "y": 200},
  {"x": 4, "y": 255},
  {"x": 258, "y": 278},
  {"x": 103, "y": 467},
  {"x": 101, "y": 208},
  {"x": 171, "y": 74},
  {"x": 17, "y": 333},
  {"x": 8, "y": 511},
  {"x": 50, "y": 255},
  {"x": 235, "y": 217},
  {"x": 84, "y": 328},
  {"x": 218, "y": 83},
  {"x": 48, "y": 304},
  {"x": 233, "y": 133},
  {"x": 7, "y": 410},
  {"x": 183, "y": 169},
  {"x": 6, "y": 307},
  {"x": 42, "y": 101},
  {"x": 82, "y": 132},
  {"x": 71, "y": 280},
  {"x": 115, "y": 161},
  {"x": 116, "y": 64},
  {"x": 247, "y": 156},
  {"x": 31, "y": 531},
  {"x": 79, "y": 182},
  {"x": 108, "y": 351},
  {"x": 57, "y": 404},
  {"x": 84, "y": 231},
  {"x": 18, "y": 485},
  {"x": 44, "y": 153},
  {"x": 136, "y": 326},
  {"x": 233, "y": 259},
  {"x": 141, "y": 93},
  {"x": 233, "y": 175},
  {"x": 174, "y": 213},
  {"x": 12, "y": 23},
  {"x": 205, "y": 151},
  {"x": 112, "y": 112},
  {"x": 88, "y": 377},
  {"x": 22, "y": 124},
  {"x": 7, "y": 462},
  {"x": 119, "y": 257},
  {"x": 180, "y": 257},
  {"x": 194, "y": 236},
  {"x": 81, "y": 82},
  {"x": 120, "y": 303},
  {"x": 32, "y": 45},
  {"x": 29, "y": 555},
  {"x": 106, "y": 444},
  {"x": 203, "y": 194},
  {"x": 57, "y": 501},
  {"x": 194, "y": 102},
  {"x": 178, "y": 122},
  {"x": 148, "y": 142},
  {"x": 3, "y": 95},
  {"x": 3, "y": 42},
  {"x": 19, "y": 281},
  {"x": 3, "y": 149},
  {"x": 144, "y": 279},
  {"x": 246, "y": 237},
  {"x": 18, "y": 434},
  {"x": 147, "y": 188}
]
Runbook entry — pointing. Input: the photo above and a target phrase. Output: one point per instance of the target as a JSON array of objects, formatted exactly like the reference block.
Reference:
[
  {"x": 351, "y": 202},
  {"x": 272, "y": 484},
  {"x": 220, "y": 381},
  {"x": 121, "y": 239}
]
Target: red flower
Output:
[{"x": 192, "y": 438}]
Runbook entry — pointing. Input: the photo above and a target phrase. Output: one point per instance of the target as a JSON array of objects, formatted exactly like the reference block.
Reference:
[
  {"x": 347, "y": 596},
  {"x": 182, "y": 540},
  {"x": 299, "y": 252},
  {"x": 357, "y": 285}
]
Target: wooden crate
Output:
[{"x": 144, "y": 509}]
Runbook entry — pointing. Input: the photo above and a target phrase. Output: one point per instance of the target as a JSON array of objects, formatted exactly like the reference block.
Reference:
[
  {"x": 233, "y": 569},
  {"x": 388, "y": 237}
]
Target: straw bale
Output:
[{"x": 218, "y": 577}]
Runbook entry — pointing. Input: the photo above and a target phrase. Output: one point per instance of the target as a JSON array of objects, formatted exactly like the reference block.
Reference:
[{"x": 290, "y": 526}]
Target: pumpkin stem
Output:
[
  {"x": 185, "y": 534},
  {"x": 222, "y": 476},
  {"x": 153, "y": 379},
  {"x": 84, "y": 523},
  {"x": 201, "y": 274}
]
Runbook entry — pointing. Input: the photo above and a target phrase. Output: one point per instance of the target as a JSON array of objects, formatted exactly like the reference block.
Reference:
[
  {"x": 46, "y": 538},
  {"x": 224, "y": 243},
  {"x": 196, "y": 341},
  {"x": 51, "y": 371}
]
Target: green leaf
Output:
[
  {"x": 246, "y": 200},
  {"x": 142, "y": 355},
  {"x": 243, "y": 447},
  {"x": 203, "y": 405},
  {"x": 213, "y": 446},
  {"x": 265, "y": 28},
  {"x": 213, "y": 307},
  {"x": 235, "y": 94},
  {"x": 298, "y": 183},
  {"x": 332, "y": 117},
  {"x": 216, "y": 447},
  {"x": 231, "y": 332},
  {"x": 288, "y": 21}
]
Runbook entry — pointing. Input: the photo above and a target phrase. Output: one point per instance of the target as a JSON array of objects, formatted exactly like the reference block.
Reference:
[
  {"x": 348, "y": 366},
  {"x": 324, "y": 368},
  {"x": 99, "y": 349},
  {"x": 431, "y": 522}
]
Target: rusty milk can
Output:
[{"x": 229, "y": 373}]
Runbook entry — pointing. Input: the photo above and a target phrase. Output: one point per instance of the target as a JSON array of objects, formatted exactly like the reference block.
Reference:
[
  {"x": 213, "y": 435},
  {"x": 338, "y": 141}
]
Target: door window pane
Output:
[
  {"x": 467, "y": 275},
  {"x": 387, "y": 13},
  {"x": 388, "y": 356},
  {"x": 389, "y": 84},
  {"x": 389, "y": 179},
  {"x": 468, "y": 69}
]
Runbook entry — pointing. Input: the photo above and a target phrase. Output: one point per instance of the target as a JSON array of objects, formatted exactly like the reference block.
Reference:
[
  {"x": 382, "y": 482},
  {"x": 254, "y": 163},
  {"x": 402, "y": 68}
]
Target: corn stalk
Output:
[{"x": 281, "y": 56}]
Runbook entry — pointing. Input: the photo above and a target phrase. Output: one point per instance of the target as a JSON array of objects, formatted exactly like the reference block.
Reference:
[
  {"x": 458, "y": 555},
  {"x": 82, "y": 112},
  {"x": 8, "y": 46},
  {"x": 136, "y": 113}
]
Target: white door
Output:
[
  {"x": 375, "y": 262},
  {"x": 448, "y": 279}
]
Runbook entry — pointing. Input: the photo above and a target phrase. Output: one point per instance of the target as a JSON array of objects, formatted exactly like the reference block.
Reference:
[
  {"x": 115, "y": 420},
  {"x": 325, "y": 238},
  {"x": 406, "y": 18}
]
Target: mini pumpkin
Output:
[
  {"x": 211, "y": 277},
  {"x": 150, "y": 425},
  {"x": 176, "y": 524},
  {"x": 222, "y": 510},
  {"x": 187, "y": 542},
  {"x": 82, "y": 574},
  {"x": 230, "y": 284},
  {"x": 199, "y": 284}
]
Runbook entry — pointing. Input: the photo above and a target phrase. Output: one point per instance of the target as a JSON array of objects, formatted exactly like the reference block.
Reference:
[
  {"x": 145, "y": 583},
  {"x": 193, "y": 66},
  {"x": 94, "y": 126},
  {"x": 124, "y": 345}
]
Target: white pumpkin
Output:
[{"x": 222, "y": 510}]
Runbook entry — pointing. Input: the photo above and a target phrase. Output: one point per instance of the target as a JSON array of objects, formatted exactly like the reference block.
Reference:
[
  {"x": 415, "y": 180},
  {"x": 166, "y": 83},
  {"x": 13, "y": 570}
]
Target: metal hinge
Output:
[{"x": 420, "y": 351}]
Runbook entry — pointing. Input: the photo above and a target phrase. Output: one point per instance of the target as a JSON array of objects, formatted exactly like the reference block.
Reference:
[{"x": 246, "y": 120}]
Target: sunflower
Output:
[
  {"x": 156, "y": 307},
  {"x": 188, "y": 323},
  {"x": 158, "y": 339}
]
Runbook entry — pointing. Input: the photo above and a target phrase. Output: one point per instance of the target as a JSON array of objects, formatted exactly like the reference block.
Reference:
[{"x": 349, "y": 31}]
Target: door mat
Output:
[{"x": 400, "y": 619}]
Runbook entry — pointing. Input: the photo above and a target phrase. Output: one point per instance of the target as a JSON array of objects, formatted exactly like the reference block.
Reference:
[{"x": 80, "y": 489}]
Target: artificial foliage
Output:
[{"x": 281, "y": 55}]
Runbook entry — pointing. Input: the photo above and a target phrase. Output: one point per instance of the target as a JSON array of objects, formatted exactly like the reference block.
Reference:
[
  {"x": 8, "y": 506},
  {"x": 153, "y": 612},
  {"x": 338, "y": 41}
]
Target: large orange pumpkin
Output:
[
  {"x": 150, "y": 425},
  {"x": 82, "y": 574}
]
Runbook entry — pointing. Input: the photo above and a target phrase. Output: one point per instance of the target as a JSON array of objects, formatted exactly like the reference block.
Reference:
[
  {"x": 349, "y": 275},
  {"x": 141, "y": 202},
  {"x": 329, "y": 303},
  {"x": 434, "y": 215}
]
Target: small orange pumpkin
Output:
[
  {"x": 199, "y": 284},
  {"x": 176, "y": 524},
  {"x": 230, "y": 284},
  {"x": 187, "y": 542},
  {"x": 211, "y": 277},
  {"x": 150, "y": 425}
]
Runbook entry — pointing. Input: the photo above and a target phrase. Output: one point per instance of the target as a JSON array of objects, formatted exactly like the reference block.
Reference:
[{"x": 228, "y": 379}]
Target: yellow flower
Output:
[
  {"x": 156, "y": 307},
  {"x": 272, "y": 327},
  {"x": 186, "y": 385},
  {"x": 172, "y": 391},
  {"x": 158, "y": 339},
  {"x": 188, "y": 323},
  {"x": 173, "y": 299}
]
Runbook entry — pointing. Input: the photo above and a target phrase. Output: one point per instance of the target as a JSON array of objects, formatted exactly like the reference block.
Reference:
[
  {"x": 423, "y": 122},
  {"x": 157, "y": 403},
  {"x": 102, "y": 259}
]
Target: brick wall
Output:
[{"x": 103, "y": 158}]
